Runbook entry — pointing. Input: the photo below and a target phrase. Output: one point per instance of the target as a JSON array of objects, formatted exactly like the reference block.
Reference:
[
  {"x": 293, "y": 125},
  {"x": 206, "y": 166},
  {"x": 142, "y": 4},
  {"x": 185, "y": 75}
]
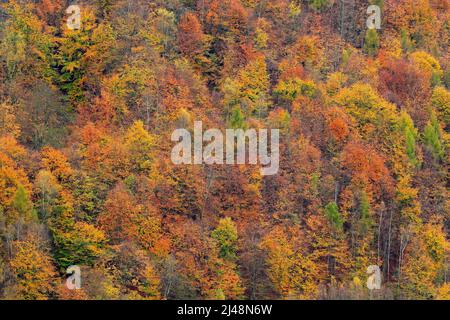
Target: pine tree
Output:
[
  {"x": 432, "y": 137},
  {"x": 23, "y": 205},
  {"x": 410, "y": 135},
  {"x": 333, "y": 215},
  {"x": 226, "y": 236},
  {"x": 371, "y": 42},
  {"x": 237, "y": 119}
]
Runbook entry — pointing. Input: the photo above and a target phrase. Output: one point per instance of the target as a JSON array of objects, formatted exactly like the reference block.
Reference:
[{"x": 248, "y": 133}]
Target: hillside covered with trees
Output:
[{"x": 86, "y": 177}]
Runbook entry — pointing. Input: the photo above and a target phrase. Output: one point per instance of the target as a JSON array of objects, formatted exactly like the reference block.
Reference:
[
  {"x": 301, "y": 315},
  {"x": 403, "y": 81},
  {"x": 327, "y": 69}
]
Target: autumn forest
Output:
[{"x": 88, "y": 107}]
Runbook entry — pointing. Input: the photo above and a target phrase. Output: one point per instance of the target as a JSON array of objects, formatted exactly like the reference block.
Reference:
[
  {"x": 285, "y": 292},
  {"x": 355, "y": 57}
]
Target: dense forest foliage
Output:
[{"x": 86, "y": 178}]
